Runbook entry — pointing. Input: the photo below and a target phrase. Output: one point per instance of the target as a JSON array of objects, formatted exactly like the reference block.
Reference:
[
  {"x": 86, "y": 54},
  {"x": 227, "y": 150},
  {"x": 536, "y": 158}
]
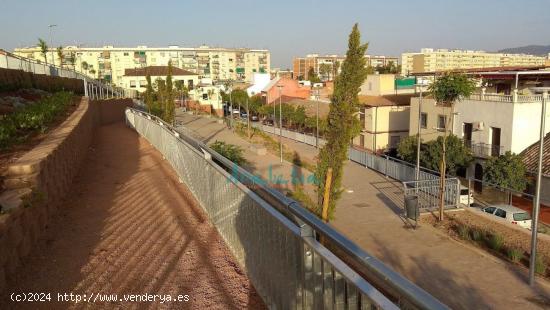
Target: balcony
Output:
[
  {"x": 506, "y": 98},
  {"x": 484, "y": 150}
]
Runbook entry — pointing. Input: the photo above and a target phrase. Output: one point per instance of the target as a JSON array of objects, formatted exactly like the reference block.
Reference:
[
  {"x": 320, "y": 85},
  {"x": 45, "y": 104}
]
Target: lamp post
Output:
[
  {"x": 316, "y": 94},
  {"x": 418, "y": 133},
  {"x": 280, "y": 87},
  {"x": 51, "y": 42},
  {"x": 536, "y": 206}
]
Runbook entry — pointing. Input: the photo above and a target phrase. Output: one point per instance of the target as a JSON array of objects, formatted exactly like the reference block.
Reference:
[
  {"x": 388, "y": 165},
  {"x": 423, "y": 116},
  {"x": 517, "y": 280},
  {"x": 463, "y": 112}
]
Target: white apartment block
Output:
[
  {"x": 109, "y": 63},
  {"x": 432, "y": 60}
]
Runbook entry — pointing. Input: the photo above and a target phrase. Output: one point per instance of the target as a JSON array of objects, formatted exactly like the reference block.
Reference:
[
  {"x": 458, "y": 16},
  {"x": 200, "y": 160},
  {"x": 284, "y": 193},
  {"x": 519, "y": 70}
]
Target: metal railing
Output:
[
  {"x": 506, "y": 98},
  {"x": 274, "y": 239},
  {"x": 484, "y": 150},
  {"x": 428, "y": 193},
  {"x": 92, "y": 88}
]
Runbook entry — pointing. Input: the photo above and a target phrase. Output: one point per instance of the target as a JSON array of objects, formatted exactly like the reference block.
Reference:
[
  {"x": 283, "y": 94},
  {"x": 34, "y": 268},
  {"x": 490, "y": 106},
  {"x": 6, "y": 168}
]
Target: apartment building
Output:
[
  {"x": 384, "y": 121},
  {"x": 432, "y": 60},
  {"x": 302, "y": 65},
  {"x": 137, "y": 78},
  {"x": 503, "y": 115},
  {"x": 109, "y": 63}
]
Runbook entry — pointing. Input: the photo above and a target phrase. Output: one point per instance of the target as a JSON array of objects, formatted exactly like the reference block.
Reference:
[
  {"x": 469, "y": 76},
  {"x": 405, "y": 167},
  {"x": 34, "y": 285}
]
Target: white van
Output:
[{"x": 464, "y": 196}]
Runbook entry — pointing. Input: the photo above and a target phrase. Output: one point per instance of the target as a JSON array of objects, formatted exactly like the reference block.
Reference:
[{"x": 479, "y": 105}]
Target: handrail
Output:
[{"x": 393, "y": 284}]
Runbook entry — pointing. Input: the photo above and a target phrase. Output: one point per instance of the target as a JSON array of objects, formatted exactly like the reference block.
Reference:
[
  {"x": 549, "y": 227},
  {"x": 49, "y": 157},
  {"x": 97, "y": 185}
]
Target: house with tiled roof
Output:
[
  {"x": 530, "y": 158},
  {"x": 136, "y": 78}
]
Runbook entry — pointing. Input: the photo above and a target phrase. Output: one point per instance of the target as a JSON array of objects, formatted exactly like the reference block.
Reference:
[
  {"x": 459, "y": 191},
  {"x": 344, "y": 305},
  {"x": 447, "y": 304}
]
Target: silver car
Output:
[{"x": 510, "y": 214}]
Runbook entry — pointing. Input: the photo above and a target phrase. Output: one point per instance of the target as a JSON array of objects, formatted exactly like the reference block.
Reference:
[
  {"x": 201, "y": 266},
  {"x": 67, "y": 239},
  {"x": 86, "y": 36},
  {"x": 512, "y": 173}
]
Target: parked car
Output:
[
  {"x": 244, "y": 115},
  {"x": 254, "y": 118},
  {"x": 510, "y": 214},
  {"x": 464, "y": 192}
]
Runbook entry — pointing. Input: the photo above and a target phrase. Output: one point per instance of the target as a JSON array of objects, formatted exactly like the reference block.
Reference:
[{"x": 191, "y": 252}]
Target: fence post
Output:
[
  {"x": 386, "y": 166},
  {"x": 469, "y": 191},
  {"x": 85, "y": 88}
]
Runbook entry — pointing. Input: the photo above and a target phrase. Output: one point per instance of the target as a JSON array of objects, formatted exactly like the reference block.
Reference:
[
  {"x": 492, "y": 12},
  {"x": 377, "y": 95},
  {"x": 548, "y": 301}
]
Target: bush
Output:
[
  {"x": 34, "y": 117},
  {"x": 464, "y": 232},
  {"x": 232, "y": 152},
  {"x": 515, "y": 255},
  {"x": 477, "y": 234},
  {"x": 496, "y": 242},
  {"x": 540, "y": 265}
]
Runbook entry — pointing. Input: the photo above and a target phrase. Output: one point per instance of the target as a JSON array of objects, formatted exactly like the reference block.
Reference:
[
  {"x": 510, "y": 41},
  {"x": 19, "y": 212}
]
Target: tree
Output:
[
  {"x": 343, "y": 125},
  {"x": 325, "y": 70},
  {"x": 72, "y": 60},
  {"x": 446, "y": 90},
  {"x": 60, "y": 56},
  {"x": 168, "y": 113},
  {"x": 335, "y": 69},
  {"x": 457, "y": 155},
  {"x": 312, "y": 76},
  {"x": 232, "y": 152},
  {"x": 84, "y": 66},
  {"x": 506, "y": 171},
  {"x": 43, "y": 49},
  {"x": 406, "y": 149},
  {"x": 149, "y": 94}
]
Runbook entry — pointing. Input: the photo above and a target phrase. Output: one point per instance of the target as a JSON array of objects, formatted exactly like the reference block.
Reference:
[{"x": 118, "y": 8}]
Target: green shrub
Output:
[
  {"x": 540, "y": 265},
  {"x": 32, "y": 118},
  {"x": 496, "y": 242},
  {"x": 232, "y": 152},
  {"x": 464, "y": 232},
  {"x": 477, "y": 235},
  {"x": 515, "y": 255}
]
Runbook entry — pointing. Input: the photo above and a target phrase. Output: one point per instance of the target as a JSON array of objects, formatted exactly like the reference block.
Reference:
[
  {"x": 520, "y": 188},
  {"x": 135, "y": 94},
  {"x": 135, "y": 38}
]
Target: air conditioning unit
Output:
[{"x": 478, "y": 126}]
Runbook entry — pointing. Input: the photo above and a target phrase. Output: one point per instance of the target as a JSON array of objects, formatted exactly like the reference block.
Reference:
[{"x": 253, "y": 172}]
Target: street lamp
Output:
[
  {"x": 536, "y": 207},
  {"x": 418, "y": 132},
  {"x": 316, "y": 94},
  {"x": 280, "y": 87},
  {"x": 51, "y": 42}
]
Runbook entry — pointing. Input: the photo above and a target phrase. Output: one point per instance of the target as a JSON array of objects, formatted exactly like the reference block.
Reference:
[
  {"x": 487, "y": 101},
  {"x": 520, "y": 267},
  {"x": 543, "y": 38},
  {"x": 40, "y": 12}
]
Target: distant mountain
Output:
[{"x": 542, "y": 50}]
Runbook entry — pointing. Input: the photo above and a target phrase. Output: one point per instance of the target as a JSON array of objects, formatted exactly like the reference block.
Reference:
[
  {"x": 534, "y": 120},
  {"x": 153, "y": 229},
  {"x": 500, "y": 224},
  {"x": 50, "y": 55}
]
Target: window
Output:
[
  {"x": 441, "y": 121},
  {"x": 204, "y": 96},
  {"x": 424, "y": 120},
  {"x": 142, "y": 83},
  {"x": 394, "y": 141},
  {"x": 133, "y": 84},
  {"x": 489, "y": 210},
  {"x": 126, "y": 54},
  {"x": 523, "y": 216},
  {"x": 500, "y": 213}
]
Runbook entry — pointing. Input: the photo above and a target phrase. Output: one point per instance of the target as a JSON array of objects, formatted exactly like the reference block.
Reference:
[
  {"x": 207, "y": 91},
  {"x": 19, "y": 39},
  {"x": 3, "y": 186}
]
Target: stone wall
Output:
[{"x": 38, "y": 181}]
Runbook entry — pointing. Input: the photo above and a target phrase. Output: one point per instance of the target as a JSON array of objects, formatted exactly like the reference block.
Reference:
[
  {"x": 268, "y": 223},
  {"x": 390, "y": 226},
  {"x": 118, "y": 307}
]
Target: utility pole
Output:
[
  {"x": 247, "y": 119},
  {"x": 280, "y": 87},
  {"x": 418, "y": 134},
  {"x": 536, "y": 206},
  {"x": 51, "y": 43}
]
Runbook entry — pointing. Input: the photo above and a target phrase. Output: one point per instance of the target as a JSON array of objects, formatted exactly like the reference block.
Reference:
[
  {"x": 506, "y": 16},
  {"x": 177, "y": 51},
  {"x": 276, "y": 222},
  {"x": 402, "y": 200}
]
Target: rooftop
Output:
[
  {"x": 157, "y": 71},
  {"x": 487, "y": 70},
  {"x": 531, "y": 156},
  {"x": 386, "y": 101}
]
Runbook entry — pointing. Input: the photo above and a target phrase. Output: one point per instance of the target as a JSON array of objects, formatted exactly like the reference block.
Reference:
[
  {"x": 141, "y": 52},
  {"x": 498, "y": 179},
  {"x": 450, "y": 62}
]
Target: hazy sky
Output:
[{"x": 286, "y": 27}]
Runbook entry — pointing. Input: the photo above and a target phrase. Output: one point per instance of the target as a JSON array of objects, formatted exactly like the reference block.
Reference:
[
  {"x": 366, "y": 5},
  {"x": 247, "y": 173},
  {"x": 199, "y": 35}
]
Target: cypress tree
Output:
[
  {"x": 343, "y": 123},
  {"x": 169, "y": 96}
]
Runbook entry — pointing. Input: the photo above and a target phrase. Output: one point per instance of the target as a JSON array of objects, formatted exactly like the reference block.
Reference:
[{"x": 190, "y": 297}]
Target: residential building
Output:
[
  {"x": 501, "y": 116},
  {"x": 530, "y": 157},
  {"x": 136, "y": 78},
  {"x": 433, "y": 60},
  {"x": 109, "y": 63},
  {"x": 388, "y": 84},
  {"x": 290, "y": 88},
  {"x": 259, "y": 81},
  {"x": 302, "y": 65},
  {"x": 384, "y": 120}
]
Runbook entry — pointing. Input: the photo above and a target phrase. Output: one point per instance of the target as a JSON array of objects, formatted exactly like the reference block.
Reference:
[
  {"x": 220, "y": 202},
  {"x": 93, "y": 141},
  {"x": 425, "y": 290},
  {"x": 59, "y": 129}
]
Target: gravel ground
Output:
[{"x": 129, "y": 227}]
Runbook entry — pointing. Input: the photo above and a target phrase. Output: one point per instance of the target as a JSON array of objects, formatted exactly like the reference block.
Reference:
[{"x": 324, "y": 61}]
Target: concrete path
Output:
[
  {"x": 129, "y": 227},
  {"x": 368, "y": 213}
]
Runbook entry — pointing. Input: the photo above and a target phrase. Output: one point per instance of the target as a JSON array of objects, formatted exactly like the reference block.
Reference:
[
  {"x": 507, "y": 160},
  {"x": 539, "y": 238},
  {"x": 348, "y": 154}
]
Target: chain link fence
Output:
[{"x": 276, "y": 240}]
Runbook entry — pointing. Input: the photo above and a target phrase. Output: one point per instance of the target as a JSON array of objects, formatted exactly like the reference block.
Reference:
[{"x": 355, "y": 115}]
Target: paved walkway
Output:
[
  {"x": 459, "y": 275},
  {"x": 129, "y": 227}
]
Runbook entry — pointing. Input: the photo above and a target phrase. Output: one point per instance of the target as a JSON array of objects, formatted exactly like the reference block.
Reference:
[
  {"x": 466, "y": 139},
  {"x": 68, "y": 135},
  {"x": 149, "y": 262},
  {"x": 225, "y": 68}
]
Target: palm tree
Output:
[
  {"x": 60, "y": 56},
  {"x": 84, "y": 66},
  {"x": 72, "y": 60},
  {"x": 43, "y": 49}
]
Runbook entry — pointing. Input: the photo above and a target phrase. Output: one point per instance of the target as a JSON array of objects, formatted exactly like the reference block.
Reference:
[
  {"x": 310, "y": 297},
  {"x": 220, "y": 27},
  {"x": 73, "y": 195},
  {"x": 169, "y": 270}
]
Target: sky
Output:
[{"x": 288, "y": 28}]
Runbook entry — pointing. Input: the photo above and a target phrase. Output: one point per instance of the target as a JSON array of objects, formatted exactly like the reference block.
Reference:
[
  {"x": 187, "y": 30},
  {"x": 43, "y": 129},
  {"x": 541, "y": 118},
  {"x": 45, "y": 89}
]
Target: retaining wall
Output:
[{"x": 38, "y": 181}]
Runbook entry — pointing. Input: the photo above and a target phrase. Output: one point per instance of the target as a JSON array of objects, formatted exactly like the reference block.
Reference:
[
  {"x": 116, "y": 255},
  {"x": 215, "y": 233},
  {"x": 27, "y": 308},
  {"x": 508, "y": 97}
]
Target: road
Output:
[{"x": 368, "y": 213}]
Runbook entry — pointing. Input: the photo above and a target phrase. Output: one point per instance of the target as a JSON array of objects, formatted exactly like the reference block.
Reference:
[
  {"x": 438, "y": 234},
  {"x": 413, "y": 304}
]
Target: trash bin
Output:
[{"x": 411, "y": 207}]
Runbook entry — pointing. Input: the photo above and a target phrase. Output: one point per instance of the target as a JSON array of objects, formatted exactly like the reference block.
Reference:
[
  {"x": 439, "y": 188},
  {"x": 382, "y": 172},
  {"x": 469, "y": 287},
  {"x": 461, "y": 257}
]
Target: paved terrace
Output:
[
  {"x": 129, "y": 227},
  {"x": 461, "y": 276}
]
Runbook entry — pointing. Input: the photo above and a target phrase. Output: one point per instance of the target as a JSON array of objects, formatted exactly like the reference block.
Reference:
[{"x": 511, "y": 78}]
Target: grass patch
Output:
[
  {"x": 515, "y": 255},
  {"x": 464, "y": 232},
  {"x": 232, "y": 152},
  {"x": 16, "y": 127},
  {"x": 540, "y": 265},
  {"x": 496, "y": 242},
  {"x": 477, "y": 235}
]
